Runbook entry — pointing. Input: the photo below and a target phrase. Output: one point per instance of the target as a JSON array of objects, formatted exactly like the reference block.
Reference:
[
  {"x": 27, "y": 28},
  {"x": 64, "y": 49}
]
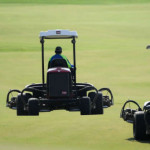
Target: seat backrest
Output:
[{"x": 59, "y": 62}]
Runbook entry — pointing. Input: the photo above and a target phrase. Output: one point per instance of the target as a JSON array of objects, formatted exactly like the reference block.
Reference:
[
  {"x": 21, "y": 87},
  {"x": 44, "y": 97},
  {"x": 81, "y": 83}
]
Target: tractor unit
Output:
[{"x": 60, "y": 91}]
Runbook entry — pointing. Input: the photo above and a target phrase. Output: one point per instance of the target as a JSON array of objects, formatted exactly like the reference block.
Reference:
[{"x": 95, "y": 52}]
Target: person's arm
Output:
[
  {"x": 68, "y": 63},
  {"x": 72, "y": 66}
]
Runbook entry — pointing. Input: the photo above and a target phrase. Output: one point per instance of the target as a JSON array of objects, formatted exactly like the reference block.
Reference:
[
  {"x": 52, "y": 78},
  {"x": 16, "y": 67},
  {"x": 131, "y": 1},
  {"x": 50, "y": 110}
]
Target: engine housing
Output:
[{"x": 59, "y": 82}]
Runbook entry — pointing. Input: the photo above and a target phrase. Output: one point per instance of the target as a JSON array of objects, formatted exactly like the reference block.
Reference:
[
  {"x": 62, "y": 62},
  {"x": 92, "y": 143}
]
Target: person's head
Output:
[{"x": 58, "y": 50}]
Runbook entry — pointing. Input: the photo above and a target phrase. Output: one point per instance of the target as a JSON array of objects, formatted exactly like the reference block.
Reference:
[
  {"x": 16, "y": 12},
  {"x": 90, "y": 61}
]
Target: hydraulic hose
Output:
[
  {"x": 129, "y": 101},
  {"x": 107, "y": 89},
  {"x": 89, "y": 88},
  {"x": 29, "y": 89},
  {"x": 14, "y": 90}
]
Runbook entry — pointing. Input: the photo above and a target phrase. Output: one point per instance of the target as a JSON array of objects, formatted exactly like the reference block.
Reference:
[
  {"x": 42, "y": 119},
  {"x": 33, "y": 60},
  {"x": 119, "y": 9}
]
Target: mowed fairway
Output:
[{"x": 110, "y": 53}]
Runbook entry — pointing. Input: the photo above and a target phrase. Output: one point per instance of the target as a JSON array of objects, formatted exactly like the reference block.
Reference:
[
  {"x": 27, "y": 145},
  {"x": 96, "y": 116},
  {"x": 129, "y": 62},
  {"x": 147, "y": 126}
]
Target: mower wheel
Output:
[
  {"x": 91, "y": 95},
  {"x": 33, "y": 107},
  {"x": 98, "y": 105},
  {"x": 139, "y": 126},
  {"x": 20, "y": 106},
  {"x": 27, "y": 96},
  {"x": 85, "y": 106}
]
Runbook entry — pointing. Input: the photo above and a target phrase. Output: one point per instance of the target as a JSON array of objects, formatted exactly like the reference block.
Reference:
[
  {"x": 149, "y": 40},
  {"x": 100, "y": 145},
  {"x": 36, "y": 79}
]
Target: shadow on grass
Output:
[{"x": 140, "y": 141}]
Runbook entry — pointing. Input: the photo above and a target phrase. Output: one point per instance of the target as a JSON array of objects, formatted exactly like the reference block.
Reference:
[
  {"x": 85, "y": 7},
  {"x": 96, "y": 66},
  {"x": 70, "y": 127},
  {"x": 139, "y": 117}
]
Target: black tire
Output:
[
  {"x": 20, "y": 106},
  {"x": 91, "y": 95},
  {"x": 27, "y": 96},
  {"x": 98, "y": 109},
  {"x": 139, "y": 126},
  {"x": 85, "y": 106},
  {"x": 33, "y": 107}
]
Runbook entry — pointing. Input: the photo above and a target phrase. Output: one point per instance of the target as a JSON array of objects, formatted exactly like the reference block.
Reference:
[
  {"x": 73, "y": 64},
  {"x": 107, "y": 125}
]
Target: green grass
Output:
[
  {"x": 76, "y": 1},
  {"x": 110, "y": 53}
]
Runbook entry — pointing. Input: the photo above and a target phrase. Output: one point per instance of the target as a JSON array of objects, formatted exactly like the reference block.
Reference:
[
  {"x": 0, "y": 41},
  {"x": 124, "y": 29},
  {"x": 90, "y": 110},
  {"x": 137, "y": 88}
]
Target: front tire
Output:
[
  {"x": 20, "y": 106},
  {"x": 33, "y": 107},
  {"x": 98, "y": 105},
  {"x": 85, "y": 106},
  {"x": 139, "y": 126}
]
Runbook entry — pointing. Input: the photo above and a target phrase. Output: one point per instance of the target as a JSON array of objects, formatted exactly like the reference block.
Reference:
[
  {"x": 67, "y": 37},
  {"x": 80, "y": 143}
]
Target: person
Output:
[{"x": 58, "y": 55}]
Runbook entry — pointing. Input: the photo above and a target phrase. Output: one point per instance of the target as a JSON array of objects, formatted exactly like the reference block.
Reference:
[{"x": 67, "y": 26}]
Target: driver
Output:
[{"x": 58, "y": 55}]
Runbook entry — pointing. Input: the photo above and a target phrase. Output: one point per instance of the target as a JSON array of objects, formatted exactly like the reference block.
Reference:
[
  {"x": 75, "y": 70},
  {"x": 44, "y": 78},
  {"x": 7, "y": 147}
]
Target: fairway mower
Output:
[
  {"x": 61, "y": 91},
  {"x": 140, "y": 118}
]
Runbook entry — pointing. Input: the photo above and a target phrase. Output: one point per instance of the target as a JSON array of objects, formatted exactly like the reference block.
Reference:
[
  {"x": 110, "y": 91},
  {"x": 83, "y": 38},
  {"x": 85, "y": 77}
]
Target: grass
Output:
[
  {"x": 110, "y": 53},
  {"x": 75, "y": 1}
]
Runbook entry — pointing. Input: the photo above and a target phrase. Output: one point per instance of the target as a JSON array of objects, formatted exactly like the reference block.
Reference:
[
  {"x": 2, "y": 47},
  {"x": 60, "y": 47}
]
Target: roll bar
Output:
[{"x": 74, "y": 58}]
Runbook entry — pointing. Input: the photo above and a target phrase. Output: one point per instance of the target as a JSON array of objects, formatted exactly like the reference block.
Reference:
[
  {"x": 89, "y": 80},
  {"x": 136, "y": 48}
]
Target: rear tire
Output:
[
  {"x": 33, "y": 107},
  {"x": 20, "y": 106},
  {"x": 85, "y": 106},
  {"x": 139, "y": 126}
]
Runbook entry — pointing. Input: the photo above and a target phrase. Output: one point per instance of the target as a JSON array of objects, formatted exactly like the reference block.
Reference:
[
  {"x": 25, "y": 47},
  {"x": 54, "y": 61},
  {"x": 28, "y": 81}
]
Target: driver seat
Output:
[{"x": 59, "y": 62}]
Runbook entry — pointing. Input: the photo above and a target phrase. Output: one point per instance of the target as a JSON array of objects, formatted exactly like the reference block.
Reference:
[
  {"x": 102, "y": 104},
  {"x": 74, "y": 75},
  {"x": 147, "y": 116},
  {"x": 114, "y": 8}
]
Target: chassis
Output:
[{"x": 61, "y": 91}]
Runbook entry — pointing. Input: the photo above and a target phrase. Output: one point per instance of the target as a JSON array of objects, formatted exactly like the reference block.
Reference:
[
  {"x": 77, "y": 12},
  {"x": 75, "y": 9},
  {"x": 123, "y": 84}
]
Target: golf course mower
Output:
[
  {"x": 138, "y": 116},
  {"x": 60, "y": 91}
]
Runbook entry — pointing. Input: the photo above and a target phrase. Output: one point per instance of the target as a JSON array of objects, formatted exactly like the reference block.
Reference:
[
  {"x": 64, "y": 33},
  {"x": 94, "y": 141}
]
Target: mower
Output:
[
  {"x": 140, "y": 118},
  {"x": 60, "y": 91}
]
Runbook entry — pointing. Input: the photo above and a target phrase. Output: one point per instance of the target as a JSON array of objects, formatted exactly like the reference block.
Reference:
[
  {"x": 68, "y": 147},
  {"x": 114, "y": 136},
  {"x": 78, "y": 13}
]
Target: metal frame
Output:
[{"x": 74, "y": 57}]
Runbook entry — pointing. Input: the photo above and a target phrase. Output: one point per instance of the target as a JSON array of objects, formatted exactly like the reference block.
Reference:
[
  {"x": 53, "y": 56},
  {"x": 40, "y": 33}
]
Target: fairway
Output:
[{"x": 111, "y": 52}]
